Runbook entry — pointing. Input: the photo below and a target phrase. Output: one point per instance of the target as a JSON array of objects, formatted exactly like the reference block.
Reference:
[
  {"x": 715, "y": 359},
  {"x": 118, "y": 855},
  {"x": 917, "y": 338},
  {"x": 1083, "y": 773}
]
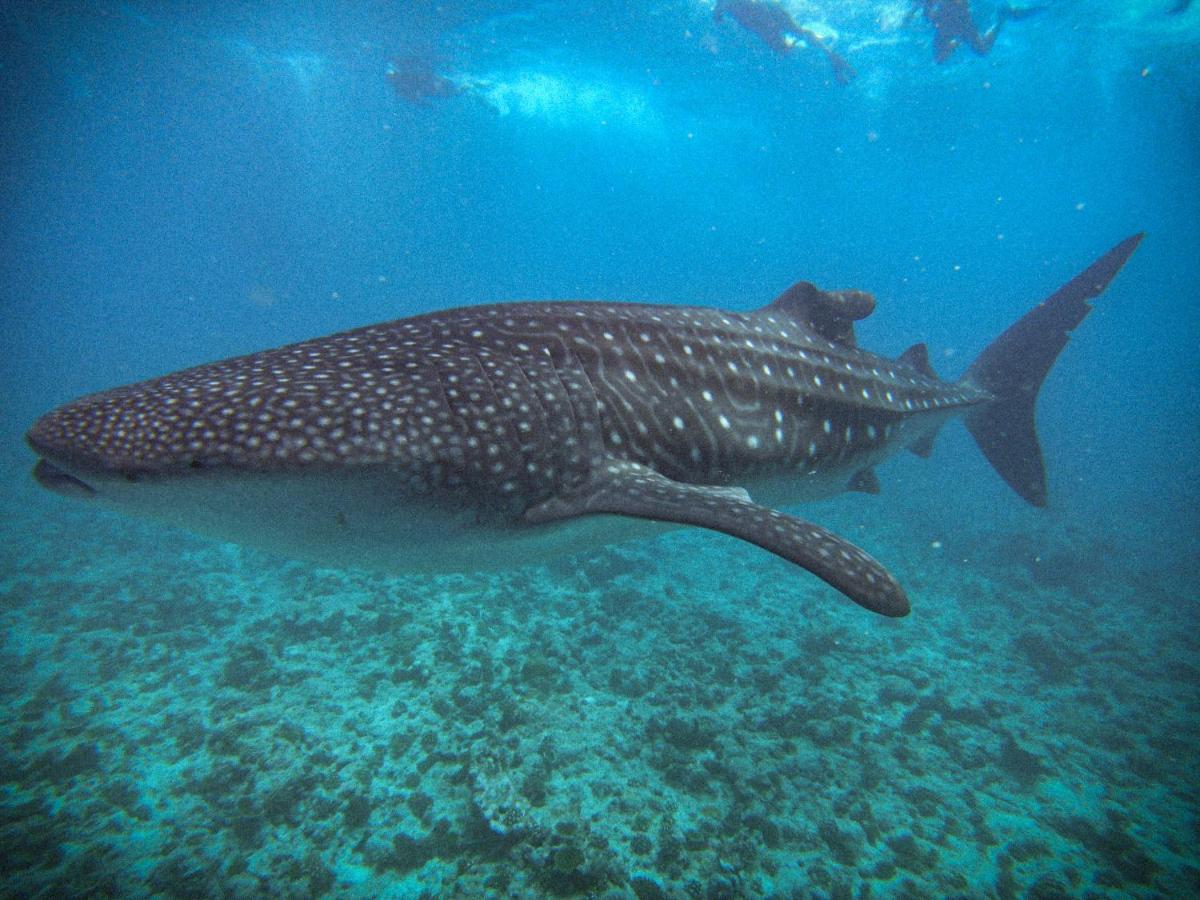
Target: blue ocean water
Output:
[{"x": 682, "y": 717}]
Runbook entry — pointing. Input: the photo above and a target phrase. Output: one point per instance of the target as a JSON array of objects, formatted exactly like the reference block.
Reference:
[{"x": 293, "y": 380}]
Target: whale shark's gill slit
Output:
[
  {"x": 542, "y": 422},
  {"x": 584, "y": 449},
  {"x": 493, "y": 423}
]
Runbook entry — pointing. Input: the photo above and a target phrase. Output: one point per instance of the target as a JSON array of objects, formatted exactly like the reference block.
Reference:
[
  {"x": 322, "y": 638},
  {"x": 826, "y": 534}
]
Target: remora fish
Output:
[{"x": 497, "y": 435}]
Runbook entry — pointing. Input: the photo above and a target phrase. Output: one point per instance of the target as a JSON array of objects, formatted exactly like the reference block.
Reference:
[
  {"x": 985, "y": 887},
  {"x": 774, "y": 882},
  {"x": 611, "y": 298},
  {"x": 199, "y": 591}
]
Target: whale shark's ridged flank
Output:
[{"x": 503, "y": 434}]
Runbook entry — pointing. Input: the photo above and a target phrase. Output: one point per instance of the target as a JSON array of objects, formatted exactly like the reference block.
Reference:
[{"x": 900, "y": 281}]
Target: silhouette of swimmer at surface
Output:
[
  {"x": 953, "y": 25},
  {"x": 413, "y": 79},
  {"x": 779, "y": 31}
]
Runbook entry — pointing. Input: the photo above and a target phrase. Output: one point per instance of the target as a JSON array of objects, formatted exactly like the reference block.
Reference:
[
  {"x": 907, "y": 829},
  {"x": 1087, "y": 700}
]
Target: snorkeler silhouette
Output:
[
  {"x": 779, "y": 31},
  {"x": 414, "y": 79},
  {"x": 953, "y": 25}
]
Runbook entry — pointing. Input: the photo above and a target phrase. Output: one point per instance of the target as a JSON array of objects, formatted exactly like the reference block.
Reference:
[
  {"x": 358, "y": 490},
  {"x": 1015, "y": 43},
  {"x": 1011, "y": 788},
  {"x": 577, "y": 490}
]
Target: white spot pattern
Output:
[{"x": 522, "y": 400}]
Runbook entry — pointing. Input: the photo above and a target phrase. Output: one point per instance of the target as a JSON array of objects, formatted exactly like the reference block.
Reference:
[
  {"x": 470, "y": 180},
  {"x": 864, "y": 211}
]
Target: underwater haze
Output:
[{"x": 684, "y": 716}]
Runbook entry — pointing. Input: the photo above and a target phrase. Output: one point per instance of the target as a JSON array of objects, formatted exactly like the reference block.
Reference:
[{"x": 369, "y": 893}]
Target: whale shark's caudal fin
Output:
[{"x": 1014, "y": 365}]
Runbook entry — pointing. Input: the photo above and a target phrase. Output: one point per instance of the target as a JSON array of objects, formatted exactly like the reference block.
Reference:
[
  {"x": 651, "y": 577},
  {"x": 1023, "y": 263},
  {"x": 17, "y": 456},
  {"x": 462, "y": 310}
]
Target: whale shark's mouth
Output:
[{"x": 55, "y": 479}]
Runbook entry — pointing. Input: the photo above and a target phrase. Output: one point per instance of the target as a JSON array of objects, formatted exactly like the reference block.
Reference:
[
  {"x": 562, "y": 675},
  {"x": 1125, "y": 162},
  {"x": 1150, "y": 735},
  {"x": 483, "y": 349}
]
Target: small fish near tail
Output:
[{"x": 1014, "y": 365}]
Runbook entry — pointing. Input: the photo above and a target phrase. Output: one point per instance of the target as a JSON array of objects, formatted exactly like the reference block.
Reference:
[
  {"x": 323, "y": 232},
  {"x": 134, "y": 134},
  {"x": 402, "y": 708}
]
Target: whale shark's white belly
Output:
[{"x": 365, "y": 519}]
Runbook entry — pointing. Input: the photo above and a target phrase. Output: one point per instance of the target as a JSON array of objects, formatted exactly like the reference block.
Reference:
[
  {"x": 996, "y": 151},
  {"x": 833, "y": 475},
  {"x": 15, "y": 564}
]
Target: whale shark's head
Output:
[
  {"x": 117, "y": 437},
  {"x": 288, "y": 449},
  {"x": 341, "y": 402},
  {"x": 186, "y": 422},
  {"x": 167, "y": 428},
  {"x": 322, "y": 461},
  {"x": 404, "y": 446},
  {"x": 97, "y": 444}
]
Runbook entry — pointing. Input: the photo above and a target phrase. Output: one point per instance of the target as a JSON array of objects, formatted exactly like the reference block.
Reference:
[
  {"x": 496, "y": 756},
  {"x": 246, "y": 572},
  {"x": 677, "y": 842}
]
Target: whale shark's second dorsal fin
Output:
[
  {"x": 831, "y": 314},
  {"x": 629, "y": 489},
  {"x": 917, "y": 356}
]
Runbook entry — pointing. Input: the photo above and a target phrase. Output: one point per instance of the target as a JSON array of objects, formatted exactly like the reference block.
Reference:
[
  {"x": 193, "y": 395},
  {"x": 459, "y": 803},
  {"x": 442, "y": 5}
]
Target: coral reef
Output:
[{"x": 614, "y": 725}]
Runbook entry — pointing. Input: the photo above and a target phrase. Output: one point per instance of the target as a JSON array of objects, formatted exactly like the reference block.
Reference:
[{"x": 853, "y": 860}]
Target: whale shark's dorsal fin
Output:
[
  {"x": 917, "y": 356},
  {"x": 629, "y": 489},
  {"x": 831, "y": 314}
]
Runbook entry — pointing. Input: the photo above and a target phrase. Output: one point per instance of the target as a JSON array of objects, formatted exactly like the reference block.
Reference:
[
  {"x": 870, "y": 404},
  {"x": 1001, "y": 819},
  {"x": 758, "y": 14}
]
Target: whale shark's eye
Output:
[
  {"x": 196, "y": 464},
  {"x": 132, "y": 477}
]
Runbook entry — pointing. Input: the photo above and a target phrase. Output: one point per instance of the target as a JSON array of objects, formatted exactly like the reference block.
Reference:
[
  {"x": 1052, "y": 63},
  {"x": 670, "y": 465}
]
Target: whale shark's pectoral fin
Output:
[{"x": 628, "y": 489}]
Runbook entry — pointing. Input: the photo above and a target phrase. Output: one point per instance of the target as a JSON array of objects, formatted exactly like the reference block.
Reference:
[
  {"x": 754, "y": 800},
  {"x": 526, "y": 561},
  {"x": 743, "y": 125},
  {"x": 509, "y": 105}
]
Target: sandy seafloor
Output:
[{"x": 685, "y": 717}]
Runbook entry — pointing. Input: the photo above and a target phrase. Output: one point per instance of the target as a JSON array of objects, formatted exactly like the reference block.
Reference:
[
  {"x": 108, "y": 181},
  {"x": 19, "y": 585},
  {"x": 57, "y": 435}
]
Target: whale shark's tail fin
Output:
[{"x": 1014, "y": 365}]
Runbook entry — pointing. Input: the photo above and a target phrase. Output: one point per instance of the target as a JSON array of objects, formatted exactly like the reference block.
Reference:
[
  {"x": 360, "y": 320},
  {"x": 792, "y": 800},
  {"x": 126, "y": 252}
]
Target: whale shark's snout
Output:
[
  {"x": 64, "y": 459},
  {"x": 85, "y": 441},
  {"x": 57, "y": 439},
  {"x": 114, "y": 436}
]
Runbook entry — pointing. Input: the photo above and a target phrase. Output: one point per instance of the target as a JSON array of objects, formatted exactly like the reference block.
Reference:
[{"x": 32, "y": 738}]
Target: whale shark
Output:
[{"x": 498, "y": 435}]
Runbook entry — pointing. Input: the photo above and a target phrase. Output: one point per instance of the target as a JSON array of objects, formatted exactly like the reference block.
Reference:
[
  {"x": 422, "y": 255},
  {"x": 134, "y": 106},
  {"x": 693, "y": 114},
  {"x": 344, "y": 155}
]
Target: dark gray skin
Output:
[
  {"x": 507, "y": 433},
  {"x": 954, "y": 26},
  {"x": 415, "y": 80},
  {"x": 775, "y": 26}
]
